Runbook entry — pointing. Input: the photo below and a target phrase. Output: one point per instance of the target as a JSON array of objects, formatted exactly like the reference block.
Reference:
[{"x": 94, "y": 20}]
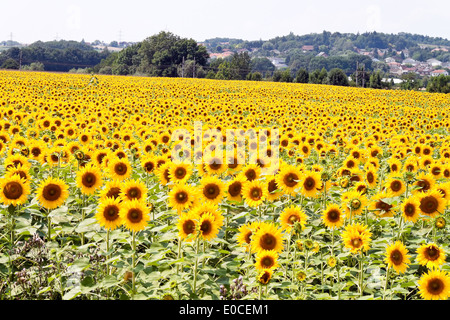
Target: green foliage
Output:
[
  {"x": 439, "y": 84},
  {"x": 337, "y": 77},
  {"x": 56, "y": 55},
  {"x": 10, "y": 64},
  {"x": 302, "y": 76}
]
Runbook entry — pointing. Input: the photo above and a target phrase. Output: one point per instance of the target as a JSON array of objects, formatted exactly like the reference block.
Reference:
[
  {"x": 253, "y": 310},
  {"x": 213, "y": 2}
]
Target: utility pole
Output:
[
  {"x": 193, "y": 73},
  {"x": 364, "y": 75},
  {"x": 182, "y": 68},
  {"x": 357, "y": 66},
  {"x": 20, "y": 60}
]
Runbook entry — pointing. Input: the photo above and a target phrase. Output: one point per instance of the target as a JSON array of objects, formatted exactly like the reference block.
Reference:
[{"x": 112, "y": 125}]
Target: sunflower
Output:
[
  {"x": 212, "y": 189},
  {"x": 187, "y": 224},
  {"x": 245, "y": 233},
  {"x": 434, "y": 285},
  {"x": 23, "y": 173},
  {"x": 119, "y": 169},
  {"x": 432, "y": 203},
  {"x": 356, "y": 237},
  {"x": 333, "y": 217},
  {"x": 371, "y": 177},
  {"x": 251, "y": 172},
  {"x": 182, "y": 197},
  {"x": 380, "y": 206},
  {"x": 234, "y": 189},
  {"x": 89, "y": 179},
  {"x": 310, "y": 184},
  {"x": 163, "y": 173},
  {"x": 267, "y": 237},
  {"x": 133, "y": 189},
  {"x": 288, "y": 179},
  {"x": 215, "y": 165},
  {"x": 424, "y": 182},
  {"x": 444, "y": 189},
  {"x": 254, "y": 193},
  {"x": 273, "y": 192},
  {"x": 111, "y": 190},
  {"x": 430, "y": 255},
  {"x": 394, "y": 186},
  {"x": 14, "y": 190},
  {"x": 180, "y": 172},
  {"x": 209, "y": 208},
  {"x": 264, "y": 276},
  {"x": 354, "y": 202},
  {"x": 15, "y": 160},
  {"x": 148, "y": 163},
  {"x": 397, "y": 257},
  {"x": 267, "y": 259},
  {"x": 51, "y": 193},
  {"x": 135, "y": 215},
  {"x": 208, "y": 226},
  {"x": 292, "y": 217},
  {"x": 107, "y": 213},
  {"x": 410, "y": 209}
]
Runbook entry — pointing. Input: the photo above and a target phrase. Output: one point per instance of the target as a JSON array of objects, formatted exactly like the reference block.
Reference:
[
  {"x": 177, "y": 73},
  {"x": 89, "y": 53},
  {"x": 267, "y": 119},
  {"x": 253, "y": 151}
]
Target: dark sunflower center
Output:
[
  {"x": 250, "y": 174},
  {"x": 383, "y": 206},
  {"x": 396, "y": 257},
  {"x": 432, "y": 253},
  {"x": 134, "y": 193},
  {"x": 272, "y": 186},
  {"x": 396, "y": 186},
  {"x": 13, "y": 190},
  {"x": 293, "y": 219},
  {"x": 181, "y": 197},
  {"x": 290, "y": 180},
  {"x": 435, "y": 286},
  {"x": 89, "y": 179},
  {"x": 370, "y": 177},
  {"x": 309, "y": 183},
  {"x": 267, "y": 262},
  {"x": 51, "y": 192},
  {"x": 135, "y": 215},
  {"x": 256, "y": 193},
  {"x": 410, "y": 209},
  {"x": 333, "y": 215},
  {"x": 206, "y": 227},
  {"x": 235, "y": 189},
  {"x": 247, "y": 237},
  {"x": 429, "y": 204},
  {"x": 111, "y": 213},
  {"x": 424, "y": 185},
  {"x": 215, "y": 164},
  {"x": 356, "y": 242},
  {"x": 180, "y": 173},
  {"x": 268, "y": 242},
  {"x": 211, "y": 191},
  {"x": 149, "y": 166},
  {"x": 188, "y": 227},
  {"x": 113, "y": 192},
  {"x": 120, "y": 169}
]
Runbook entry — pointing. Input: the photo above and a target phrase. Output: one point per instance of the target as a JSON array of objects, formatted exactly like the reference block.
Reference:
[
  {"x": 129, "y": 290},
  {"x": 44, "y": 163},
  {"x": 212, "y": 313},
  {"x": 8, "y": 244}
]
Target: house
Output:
[
  {"x": 278, "y": 63},
  {"x": 322, "y": 54},
  {"x": 410, "y": 61},
  {"x": 308, "y": 48},
  {"x": 434, "y": 62},
  {"x": 389, "y": 60},
  {"x": 439, "y": 72}
]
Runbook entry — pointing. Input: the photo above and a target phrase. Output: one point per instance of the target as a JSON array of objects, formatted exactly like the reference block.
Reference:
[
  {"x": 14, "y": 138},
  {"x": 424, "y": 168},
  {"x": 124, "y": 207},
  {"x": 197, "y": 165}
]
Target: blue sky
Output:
[{"x": 132, "y": 20}]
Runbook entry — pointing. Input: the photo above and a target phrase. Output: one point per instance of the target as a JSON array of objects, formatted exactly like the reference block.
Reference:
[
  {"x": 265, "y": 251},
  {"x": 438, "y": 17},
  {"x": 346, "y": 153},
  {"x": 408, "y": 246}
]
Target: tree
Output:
[
  {"x": 262, "y": 65},
  {"x": 440, "y": 84},
  {"x": 337, "y": 77},
  {"x": 375, "y": 80},
  {"x": 302, "y": 76},
  {"x": 240, "y": 65},
  {"x": 10, "y": 64}
]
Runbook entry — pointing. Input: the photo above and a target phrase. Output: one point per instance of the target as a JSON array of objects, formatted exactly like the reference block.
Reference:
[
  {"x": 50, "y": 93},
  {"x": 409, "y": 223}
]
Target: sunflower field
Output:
[{"x": 186, "y": 189}]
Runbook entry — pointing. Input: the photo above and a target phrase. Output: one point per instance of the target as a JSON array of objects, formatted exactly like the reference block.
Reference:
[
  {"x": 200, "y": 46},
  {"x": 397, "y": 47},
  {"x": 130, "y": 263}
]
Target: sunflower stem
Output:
[
  {"x": 361, "y": 275},
  {"x": 133, "y": 277},
  {"x": 107, "y": 250},
  {"x": 386, "y": 283},
  {"x": 194, "y": 286}
]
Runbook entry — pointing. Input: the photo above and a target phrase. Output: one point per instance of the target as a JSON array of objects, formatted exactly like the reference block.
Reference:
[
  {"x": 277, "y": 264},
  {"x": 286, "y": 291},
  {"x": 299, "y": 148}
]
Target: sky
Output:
[{"x": 27, "y": 21}]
